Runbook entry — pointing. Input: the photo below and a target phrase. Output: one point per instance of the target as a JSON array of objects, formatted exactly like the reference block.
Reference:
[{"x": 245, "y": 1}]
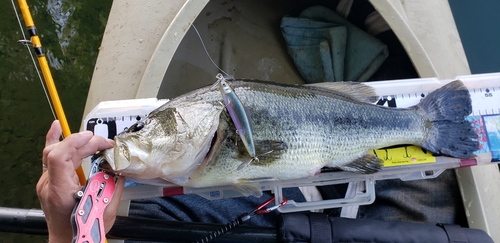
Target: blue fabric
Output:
[
  {"x": 193, "y": 208},
  {"x": 319, "y": 34},
  {"x": 317, "y": 48}
]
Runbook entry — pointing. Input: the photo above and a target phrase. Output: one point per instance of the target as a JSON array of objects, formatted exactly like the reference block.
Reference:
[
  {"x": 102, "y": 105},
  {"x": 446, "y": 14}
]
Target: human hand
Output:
[{"x": 59, "y": 181}]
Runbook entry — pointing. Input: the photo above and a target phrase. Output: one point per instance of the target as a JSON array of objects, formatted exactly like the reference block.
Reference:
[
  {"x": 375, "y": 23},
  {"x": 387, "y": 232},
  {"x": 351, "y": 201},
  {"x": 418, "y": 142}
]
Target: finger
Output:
[
  {"x": 47, "y": 150},
  {"x": 111, "y": 210},
  {"x": 54, "y": 133},
  {"x": 60, "y": 159},
  {"x": 69, "y": 153},
  {"x": 51, "y": 140},
  {"x": 45, "y": 168},
  {"x": 41, "y": 184},
  {"x": 97, "y": 143}
]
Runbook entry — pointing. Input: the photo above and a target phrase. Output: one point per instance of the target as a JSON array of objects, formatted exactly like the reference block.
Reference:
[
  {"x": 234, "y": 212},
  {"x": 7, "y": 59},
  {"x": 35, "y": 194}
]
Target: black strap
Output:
[
  {"x": 321, "y": 230},
  {"x": 455, "y": 233}
]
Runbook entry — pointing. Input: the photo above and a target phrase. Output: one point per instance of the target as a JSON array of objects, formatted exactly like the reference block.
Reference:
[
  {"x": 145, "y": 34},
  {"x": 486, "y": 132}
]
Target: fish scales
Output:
[{"x": 297, "y": 129}]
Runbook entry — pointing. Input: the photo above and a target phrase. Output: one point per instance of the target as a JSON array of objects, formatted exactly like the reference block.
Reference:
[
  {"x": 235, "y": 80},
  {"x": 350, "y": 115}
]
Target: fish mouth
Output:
[
  {"x": 108, "y": 159},
  {"x": 217, "y": 139},
  {"x": 211, "y": 150}
]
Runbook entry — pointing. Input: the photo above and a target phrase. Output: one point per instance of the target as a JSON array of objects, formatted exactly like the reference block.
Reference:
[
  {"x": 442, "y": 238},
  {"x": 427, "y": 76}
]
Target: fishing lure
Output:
[
  {"x": 239, "y": 117},
  {"x": 235, "y": 108}
]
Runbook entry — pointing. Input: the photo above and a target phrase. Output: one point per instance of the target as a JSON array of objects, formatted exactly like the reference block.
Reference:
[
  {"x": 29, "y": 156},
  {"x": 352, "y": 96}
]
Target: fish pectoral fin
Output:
[
  {"x": 250, "y": 187},
  {"x": 366, "y": 164}
]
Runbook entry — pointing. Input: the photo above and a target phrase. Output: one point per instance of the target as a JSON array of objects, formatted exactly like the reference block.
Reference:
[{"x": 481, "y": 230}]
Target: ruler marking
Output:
[{"x": 484, "y": 109}]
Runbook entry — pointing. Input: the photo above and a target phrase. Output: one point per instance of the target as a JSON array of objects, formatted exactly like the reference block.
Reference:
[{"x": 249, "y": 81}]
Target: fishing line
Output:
[
  {"x": 26, "y": 42},
  {"x": 261, "y": 209},
  {"x": 206, "y": 51}
]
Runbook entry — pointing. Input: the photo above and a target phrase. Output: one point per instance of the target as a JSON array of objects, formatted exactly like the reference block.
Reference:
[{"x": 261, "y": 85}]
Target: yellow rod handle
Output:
[{"x": 49, "y": 82}]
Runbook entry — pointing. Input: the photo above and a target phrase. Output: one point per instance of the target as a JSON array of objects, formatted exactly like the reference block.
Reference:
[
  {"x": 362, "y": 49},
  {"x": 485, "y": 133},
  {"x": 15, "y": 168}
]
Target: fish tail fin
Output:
[{"x": 450, "y": 133}]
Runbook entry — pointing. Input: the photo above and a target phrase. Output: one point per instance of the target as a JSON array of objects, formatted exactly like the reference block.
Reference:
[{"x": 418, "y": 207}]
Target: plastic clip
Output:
[{"x": 87, "y": 217}]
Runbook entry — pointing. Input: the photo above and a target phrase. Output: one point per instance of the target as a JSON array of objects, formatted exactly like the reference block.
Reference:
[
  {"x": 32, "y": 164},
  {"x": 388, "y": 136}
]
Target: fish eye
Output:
[{"x": 138, "y": 126}]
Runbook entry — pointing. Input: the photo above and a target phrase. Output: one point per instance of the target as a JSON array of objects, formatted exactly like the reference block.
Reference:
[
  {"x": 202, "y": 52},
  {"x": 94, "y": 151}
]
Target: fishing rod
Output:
[{"x": 49, "y": 82}]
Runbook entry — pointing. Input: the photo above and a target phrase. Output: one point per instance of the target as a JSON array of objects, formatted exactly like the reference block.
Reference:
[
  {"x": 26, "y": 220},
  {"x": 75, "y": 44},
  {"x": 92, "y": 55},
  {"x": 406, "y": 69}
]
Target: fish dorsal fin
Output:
[
  {"x": 355, "y": 90},
  {"x": 366, "y": 164}
]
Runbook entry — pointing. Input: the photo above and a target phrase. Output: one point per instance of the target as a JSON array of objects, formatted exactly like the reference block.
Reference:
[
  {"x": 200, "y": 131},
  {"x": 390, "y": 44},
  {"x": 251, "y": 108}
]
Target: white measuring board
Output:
[{"x": 112, "y": 117}]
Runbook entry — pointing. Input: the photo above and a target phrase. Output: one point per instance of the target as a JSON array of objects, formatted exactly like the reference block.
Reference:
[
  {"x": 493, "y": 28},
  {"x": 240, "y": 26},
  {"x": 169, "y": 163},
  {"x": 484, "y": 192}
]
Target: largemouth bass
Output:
[{"x": 191, "y": 140}]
